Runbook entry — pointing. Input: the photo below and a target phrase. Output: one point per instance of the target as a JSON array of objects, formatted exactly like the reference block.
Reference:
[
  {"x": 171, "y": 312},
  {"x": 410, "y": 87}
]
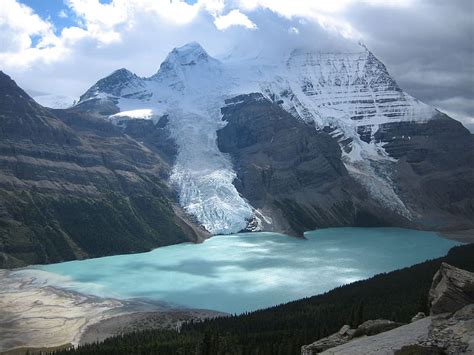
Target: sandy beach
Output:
[{"x": 34, "y": 315}]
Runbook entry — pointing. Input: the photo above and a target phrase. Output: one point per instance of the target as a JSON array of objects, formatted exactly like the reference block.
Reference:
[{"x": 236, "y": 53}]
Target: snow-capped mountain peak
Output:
[
  {"x": 348, "y": 93},
  {"x": 189, "y": 54},
  {"x": 188, "y": 68},
  {"x": 121, "y": 82}
]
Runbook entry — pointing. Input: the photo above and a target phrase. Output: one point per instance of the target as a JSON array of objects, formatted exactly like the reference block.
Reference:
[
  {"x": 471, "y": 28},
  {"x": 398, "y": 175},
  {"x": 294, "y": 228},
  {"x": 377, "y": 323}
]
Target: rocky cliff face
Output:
[
  {"x": 434, "y": 170},
  {"x": 452, "y": 289},
  {"x": 292, "y": 174},
  {"x": 73, "y": 185}
]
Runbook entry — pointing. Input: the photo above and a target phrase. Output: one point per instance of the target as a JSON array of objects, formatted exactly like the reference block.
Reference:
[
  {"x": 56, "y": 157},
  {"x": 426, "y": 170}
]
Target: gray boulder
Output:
[
  {"x": 346, "y": 333},
  {"x": 375, "y": 326},
  {"x": 451, "y": 290},
  {"x": 418, "y": 316},
  {"x": 339, "y": 338}
]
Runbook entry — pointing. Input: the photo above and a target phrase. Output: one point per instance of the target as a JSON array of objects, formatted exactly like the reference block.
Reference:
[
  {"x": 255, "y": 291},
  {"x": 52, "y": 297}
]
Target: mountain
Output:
[
  {"x": 204, "y": 146},
  {"x": 312, "y": 139},
  {"x": 73, "y": 186}
]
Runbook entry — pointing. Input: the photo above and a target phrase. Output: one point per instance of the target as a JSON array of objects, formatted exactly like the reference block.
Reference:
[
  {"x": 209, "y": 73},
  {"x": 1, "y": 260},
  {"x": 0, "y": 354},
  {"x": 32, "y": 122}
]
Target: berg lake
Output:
[{"x": 244, "y": 272}]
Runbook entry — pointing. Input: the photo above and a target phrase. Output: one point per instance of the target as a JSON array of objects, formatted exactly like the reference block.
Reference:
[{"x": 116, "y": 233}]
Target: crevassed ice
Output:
[{"x": 203, "y": 176}]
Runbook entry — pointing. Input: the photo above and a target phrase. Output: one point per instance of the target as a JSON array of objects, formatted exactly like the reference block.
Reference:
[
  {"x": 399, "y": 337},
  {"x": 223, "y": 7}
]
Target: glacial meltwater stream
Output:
[{"x": 244, "y": 272}]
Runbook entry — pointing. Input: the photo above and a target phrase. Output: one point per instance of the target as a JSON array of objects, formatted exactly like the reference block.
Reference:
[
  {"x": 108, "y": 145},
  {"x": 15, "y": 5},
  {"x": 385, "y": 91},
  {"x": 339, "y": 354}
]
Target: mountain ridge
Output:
[
  {"x": 349, "y": 95},
  {"x": 73, "y": 186}
]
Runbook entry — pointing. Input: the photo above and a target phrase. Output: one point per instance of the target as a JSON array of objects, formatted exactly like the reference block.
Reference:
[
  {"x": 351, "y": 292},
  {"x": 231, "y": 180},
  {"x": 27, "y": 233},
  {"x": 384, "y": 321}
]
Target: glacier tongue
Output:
[
  {"x": 202, "y": 175},
  {"x": 193, "y": 86}
]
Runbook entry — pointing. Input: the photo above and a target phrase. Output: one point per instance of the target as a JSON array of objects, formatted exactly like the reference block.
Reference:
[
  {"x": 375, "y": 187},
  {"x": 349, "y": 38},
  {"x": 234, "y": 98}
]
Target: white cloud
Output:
[
  {"x": 234, "y": 18},
  {"x": 105, "y": 25},
  {"x": 294, "y": 30},
  {"x": 457, "y": 108},
  {"x": 138, "y": 34},
  {"x": 62, "y": 14},
  {"x": 18, "y": 23}
]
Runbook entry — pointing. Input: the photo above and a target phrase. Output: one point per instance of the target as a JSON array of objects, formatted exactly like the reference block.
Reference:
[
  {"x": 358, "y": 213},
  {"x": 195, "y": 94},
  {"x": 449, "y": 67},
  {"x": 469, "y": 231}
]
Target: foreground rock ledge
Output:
[{"x": 448, "y": 330}]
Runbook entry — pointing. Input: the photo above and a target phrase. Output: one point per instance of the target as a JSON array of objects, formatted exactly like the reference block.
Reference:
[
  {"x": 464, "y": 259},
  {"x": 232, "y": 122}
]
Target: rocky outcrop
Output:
[
  {"x": 375, "y": 326},
  {"x": 346, "y": 333},
  {"x": 442, "y": 334},
  {"x": 341, "y": 337},
  {"x": 418, "y": 316},
  {"x": 448, "y": 330},
  {"x": 454, "y": 333},
  {"x": 451, "y": 290},
  {"x": 73, "y": 186}
]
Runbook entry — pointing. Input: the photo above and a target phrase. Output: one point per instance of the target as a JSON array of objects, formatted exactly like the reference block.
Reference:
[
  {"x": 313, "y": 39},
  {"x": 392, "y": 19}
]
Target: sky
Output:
[{"x": 65, "y": 46}]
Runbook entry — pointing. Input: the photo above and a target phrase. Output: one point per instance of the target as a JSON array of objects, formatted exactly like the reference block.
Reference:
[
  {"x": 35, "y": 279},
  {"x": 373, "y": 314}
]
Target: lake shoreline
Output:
[
  {"x": 35, "y": 316},
  {"x": 463, "y": 236}
]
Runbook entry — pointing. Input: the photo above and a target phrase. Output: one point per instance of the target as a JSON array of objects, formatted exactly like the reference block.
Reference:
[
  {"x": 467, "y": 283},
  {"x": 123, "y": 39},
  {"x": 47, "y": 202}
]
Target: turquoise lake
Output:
[{"x": 244, "y": 272}]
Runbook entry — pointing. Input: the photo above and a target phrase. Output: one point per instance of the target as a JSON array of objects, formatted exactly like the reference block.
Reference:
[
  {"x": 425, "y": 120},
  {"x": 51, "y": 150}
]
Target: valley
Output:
[
  {"x": 160, "y": 289},
  {"x": 269, "y": 197}
]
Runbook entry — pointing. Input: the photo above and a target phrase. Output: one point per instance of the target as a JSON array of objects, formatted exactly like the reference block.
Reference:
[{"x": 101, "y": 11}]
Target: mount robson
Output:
[{"x": 311, "y": 140}]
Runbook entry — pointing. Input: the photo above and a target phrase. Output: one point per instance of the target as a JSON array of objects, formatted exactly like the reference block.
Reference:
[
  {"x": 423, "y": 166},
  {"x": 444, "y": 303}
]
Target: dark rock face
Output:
[
  {"x": 74, "y": 186},
  {"x": 435, "y": 170},
  {"x": 290, "y": 172},
  {"x": 452, "y": 289},
  {"x": 22, "y": 118},
  {"x": 157, "y": 136},
  {"x": 294, "y": 175}
]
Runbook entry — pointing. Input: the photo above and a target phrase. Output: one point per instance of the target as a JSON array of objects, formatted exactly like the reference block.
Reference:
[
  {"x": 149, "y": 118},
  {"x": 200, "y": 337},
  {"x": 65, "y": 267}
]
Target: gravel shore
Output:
[{"x": 34, "y": 315}]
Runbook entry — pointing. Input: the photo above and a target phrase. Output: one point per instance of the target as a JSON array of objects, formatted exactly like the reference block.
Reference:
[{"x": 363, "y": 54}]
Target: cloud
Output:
[
  {"x": 18, "y": 24},
  {"x": 234, "y": 18},
  {"x": 426, "y": 44},
  {"x": 62, "y": 14},
  {"x": 294, "y": 30}
]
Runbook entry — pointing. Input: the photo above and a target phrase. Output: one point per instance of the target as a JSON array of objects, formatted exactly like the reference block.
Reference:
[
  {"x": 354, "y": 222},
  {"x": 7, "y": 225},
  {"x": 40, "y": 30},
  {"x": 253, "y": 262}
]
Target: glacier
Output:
[
  {"x": 55, "y": 101},
  {"x": 351, "y": 94}
]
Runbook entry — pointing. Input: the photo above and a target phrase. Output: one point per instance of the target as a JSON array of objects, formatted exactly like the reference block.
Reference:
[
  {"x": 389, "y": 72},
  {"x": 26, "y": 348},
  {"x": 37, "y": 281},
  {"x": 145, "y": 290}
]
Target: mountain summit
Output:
[
  {"x": 189, "y": 54},
  {"x": 386, "y": 140}
]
